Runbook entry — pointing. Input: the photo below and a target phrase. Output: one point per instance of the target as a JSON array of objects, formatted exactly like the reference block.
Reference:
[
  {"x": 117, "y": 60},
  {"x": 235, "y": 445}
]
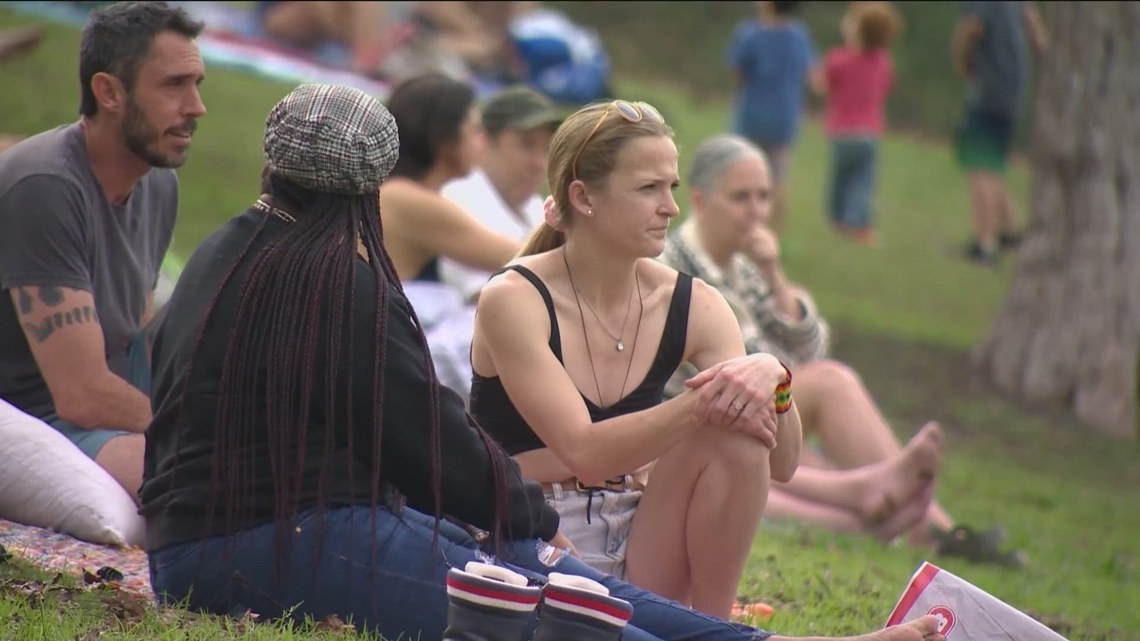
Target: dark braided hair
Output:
[{"x": 292, "y": 308}]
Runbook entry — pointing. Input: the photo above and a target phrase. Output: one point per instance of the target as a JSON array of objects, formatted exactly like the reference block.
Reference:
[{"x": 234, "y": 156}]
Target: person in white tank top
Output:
[{"x": 503, "y": 192}]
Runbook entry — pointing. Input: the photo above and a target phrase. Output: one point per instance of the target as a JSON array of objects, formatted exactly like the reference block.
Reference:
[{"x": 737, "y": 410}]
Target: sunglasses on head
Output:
[{"x": 632, "y": 112}]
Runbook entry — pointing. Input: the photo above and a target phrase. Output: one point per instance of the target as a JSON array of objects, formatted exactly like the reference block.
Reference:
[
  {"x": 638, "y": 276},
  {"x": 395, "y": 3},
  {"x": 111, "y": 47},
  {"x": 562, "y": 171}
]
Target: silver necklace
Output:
[
  {"x": 265, "y": 208},
  {"x": 619, "y": 344}
]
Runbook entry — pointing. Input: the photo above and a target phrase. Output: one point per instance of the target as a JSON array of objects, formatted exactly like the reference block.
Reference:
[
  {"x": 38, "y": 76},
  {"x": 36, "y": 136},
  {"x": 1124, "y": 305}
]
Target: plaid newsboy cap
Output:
[{"x": 331, "y": 138}]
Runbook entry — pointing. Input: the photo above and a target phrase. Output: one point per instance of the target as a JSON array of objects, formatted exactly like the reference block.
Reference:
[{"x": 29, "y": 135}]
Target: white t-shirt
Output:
[{"x": 478, "y": 196}]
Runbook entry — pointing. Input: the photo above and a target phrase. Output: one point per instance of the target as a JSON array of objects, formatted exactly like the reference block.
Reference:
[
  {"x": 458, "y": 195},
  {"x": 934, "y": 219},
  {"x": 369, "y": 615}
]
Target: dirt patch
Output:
[{"x": 921, "y": 381}]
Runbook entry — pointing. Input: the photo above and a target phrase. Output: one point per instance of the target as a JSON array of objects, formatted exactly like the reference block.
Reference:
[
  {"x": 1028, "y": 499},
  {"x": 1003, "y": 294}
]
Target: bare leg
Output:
[
  {"x": 122, "y": 457},
  {"x": 301, "y": 24},
  {"x": 1006, "y": 211},
  {"x": 835, "y": 405},
  {"x": 874, "y": 491},
  {"x": 984, "y": 202},
  {"x": 697, "y": 519},
  {"x": 921, "y": 629},
  {"x": 466, "y": 31},
  {"x": 367, "y": 29},
  {"x": 786, "y": 507}
]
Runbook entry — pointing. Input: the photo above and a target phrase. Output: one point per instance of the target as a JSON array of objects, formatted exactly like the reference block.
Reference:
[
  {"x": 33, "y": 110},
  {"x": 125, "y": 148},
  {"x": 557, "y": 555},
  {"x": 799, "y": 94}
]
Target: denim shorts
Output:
[{"x": 597, "y": 522}]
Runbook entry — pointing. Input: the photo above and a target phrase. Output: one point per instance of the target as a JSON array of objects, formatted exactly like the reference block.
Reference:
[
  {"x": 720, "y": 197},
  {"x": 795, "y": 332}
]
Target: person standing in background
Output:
[
  {"x": 988, "y": 49},
  {"x": 856, "y": 78},
  {"x": 772, "y": 57}
]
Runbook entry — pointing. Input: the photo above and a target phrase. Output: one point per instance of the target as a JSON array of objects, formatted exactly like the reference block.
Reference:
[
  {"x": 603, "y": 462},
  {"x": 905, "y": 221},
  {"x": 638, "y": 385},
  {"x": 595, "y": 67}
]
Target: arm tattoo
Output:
[
  {"x": 51, "y": 296},
  {"x": 43, "y": 330},
  {"x": 24, "y": 296}
]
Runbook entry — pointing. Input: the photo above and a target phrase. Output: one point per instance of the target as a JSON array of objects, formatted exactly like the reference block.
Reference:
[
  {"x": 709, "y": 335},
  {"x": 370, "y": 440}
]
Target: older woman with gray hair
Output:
[{"x": 726, "y": 243}]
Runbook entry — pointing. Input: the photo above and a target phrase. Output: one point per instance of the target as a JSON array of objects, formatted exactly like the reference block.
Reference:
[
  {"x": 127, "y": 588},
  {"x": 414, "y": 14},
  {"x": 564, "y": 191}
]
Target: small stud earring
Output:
[{"x": 590, "y": 212}]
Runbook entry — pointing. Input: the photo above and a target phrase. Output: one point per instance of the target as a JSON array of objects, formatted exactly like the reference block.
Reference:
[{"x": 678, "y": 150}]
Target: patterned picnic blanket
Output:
[{"x": 62, "y": 553}]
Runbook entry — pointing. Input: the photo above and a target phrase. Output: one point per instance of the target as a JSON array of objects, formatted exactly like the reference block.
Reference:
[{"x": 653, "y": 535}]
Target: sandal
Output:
[{"x": 978, "y": 546}]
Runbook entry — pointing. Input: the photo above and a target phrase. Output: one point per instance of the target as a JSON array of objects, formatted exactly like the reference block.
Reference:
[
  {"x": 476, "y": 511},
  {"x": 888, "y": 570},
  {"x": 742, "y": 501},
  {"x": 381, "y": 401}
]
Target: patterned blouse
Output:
[{"x": 764, "y": 327}]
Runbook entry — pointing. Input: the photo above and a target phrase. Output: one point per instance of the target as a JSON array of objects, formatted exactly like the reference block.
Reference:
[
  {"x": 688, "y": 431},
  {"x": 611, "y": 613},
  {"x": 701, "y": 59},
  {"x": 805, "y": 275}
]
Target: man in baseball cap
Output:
[{"x": 503, "y": 191}]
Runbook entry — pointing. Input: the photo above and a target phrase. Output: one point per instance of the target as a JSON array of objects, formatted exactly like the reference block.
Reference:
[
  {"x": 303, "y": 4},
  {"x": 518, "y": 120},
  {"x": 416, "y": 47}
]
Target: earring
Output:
[{"x": 590, "y": 212}]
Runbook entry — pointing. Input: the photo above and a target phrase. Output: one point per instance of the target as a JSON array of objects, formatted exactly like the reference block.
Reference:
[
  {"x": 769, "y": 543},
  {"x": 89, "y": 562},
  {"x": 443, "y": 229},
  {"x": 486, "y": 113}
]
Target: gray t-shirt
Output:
[
  {"x": 1000, "y": 58},
  {"x": 57, "y": 229}
]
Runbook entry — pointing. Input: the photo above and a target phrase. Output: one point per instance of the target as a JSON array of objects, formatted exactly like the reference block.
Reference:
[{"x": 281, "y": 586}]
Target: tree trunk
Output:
[{"x": 1069, "y": 327}]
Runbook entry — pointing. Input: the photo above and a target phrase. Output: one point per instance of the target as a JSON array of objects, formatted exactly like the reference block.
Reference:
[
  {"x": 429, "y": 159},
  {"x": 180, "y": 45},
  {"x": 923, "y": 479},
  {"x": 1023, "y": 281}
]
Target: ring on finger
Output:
[{"x": 738, "y": 406}]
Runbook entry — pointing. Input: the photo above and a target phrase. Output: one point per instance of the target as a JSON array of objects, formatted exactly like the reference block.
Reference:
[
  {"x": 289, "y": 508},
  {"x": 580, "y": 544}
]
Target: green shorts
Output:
[{"x": 983, "y": 141}]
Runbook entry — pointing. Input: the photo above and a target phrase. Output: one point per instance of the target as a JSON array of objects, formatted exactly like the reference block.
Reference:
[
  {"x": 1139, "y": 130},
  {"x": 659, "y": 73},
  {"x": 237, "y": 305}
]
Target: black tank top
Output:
[{"x": 494, "y": 410}]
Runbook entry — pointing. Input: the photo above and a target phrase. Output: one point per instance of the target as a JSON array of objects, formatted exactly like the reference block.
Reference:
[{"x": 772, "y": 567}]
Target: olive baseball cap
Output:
[{"x": 519, "y": 108}]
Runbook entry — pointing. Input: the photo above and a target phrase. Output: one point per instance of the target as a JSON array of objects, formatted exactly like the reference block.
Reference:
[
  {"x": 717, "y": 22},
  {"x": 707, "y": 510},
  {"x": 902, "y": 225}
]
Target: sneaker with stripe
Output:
[
  {"x": 580, "y": 609},
  {"x": 488, "y": 603}
]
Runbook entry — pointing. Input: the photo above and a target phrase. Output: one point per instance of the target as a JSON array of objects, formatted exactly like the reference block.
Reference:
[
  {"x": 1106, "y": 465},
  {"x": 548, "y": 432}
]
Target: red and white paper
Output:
[{"x": 965, "y": 611}]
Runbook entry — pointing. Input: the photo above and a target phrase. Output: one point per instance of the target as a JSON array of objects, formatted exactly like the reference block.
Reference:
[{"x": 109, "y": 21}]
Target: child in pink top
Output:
[{"x": 856, "y": 78}]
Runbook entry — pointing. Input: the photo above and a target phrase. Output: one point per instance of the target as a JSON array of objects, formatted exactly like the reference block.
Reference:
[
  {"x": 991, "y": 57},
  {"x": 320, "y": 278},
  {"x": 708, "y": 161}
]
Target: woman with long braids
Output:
[
  {"x": 574, "y": 344},
  {"x": 303, "y": 458}
]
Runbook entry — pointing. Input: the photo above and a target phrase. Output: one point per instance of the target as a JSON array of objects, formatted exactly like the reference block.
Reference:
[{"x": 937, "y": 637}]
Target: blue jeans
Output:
[
  {"x": 853, "y": 164},
  {"x": 383, "y": 575}
]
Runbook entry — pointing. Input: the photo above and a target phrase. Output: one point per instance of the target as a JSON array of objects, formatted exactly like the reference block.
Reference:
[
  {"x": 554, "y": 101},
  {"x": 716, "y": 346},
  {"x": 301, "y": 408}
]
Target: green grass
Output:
[
  {"x": 902, "y": 317},
  {"x": 38, "y": 606}
]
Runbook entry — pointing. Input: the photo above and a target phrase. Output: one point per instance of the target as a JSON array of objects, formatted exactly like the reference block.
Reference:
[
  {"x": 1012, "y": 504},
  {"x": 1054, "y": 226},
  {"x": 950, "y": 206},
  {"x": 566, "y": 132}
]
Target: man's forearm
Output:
[{"x": 108, "y": 402}]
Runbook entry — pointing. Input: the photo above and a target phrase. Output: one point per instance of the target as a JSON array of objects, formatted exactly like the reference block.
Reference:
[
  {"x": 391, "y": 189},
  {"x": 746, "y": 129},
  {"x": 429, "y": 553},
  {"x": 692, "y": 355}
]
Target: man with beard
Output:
[{"x": 86, "y": 215}]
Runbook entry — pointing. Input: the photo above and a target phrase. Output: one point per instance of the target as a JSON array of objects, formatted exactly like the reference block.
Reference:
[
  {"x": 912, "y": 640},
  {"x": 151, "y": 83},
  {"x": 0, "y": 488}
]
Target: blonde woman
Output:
[{"x": 573, "y": 346}]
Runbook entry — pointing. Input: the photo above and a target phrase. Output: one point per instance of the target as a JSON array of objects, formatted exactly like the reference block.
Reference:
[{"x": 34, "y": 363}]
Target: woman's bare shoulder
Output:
[
  {"x": 511, "y": 280},
  {"x": 663, "y": 278},
  {"x": 400, "y": 190}
]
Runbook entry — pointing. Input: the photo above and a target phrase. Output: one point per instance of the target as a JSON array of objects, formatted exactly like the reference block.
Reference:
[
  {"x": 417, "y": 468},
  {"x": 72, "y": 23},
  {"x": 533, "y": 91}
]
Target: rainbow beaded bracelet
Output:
[{"x": 784, "y": 392}]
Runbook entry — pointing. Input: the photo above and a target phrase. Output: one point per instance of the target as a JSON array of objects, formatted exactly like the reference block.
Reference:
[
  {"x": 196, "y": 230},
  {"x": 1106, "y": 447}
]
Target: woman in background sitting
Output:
[
  {"x": 441, "y": 139},
  {"x": 726, "y": 243}
]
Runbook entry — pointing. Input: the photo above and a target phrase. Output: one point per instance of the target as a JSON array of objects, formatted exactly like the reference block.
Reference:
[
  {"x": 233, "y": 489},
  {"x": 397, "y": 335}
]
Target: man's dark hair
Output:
[{"x": 117, "y": 39}]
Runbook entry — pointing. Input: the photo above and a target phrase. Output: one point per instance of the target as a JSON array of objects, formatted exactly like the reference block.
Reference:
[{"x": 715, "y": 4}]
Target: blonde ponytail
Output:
[{"x": 543, "y": 239}]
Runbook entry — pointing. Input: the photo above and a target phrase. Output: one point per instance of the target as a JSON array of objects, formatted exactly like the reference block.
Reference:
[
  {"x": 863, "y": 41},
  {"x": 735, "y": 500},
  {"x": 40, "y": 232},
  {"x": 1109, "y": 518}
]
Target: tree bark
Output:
[{"x": 1068, "y": 330}]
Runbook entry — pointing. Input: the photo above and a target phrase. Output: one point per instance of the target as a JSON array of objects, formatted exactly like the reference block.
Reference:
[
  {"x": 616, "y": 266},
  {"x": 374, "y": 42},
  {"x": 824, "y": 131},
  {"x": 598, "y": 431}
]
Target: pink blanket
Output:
[{"x": 61, "y": 553}]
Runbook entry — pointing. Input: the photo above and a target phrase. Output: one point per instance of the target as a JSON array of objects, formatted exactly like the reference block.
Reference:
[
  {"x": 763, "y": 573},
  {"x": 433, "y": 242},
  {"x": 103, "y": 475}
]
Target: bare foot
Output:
[
  {"x": 906, "y": 517},
  {"x": 894, "y": 482},
  {"x": 921, "y": 629}
]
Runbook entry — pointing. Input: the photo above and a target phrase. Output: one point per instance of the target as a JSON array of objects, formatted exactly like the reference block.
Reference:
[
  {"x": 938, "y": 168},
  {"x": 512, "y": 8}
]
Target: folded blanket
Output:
[{"x": 62, "y": 553}]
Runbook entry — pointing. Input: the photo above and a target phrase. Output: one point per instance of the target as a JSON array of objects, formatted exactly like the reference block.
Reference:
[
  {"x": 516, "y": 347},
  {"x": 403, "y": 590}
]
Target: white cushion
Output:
[{"x": 46, "y": 481}]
